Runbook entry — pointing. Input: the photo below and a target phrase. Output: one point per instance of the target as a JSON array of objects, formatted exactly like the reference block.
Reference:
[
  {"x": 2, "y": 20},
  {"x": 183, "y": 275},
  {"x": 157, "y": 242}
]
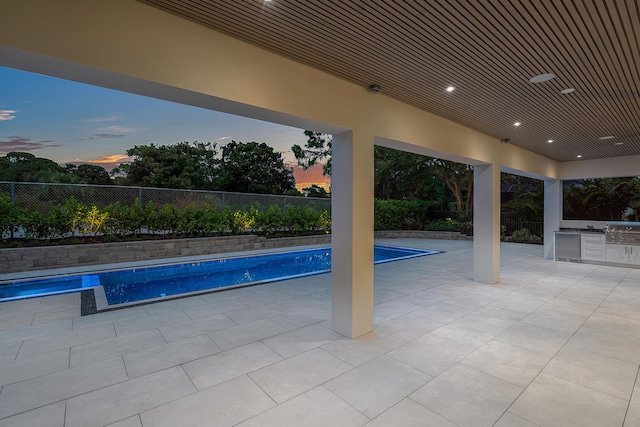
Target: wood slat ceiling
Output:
[{"x": 487, "y": 49}]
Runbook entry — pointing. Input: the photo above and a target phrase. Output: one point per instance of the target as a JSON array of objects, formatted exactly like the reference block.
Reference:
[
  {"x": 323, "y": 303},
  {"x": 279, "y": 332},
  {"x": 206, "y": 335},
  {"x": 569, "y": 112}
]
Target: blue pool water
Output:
[{"x": 155, "y": 282}]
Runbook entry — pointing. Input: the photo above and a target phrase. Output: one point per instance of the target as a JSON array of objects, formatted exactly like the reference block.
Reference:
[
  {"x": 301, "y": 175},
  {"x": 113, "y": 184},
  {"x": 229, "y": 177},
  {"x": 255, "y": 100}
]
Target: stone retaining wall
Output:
[
  {"x": 417, "y": 234},
  {"x": 47, "y": 257}
]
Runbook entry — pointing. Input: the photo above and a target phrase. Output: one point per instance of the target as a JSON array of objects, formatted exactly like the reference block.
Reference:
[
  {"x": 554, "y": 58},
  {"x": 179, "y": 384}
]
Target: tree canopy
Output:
[
  {"x": 191, "y": 166},
  {"x": 25, "y": 167},
  {"x": 252, "y": 167}
]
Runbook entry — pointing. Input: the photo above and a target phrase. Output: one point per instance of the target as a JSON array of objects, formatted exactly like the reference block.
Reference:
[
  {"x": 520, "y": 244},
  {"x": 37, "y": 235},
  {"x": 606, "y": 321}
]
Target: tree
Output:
[
  {"x": 185, "y": 165},
  {"x": 317, "y": 148},
  {"x": 525, "y": 196},
  {"x": 315, "y": 191},
  {"x": 89, "y": 174},
  {"x": 404, "y": 176},
  {"x": 25, "y": 167},
  {"x": 458, "y": 178},
  {"x": 253, "y": 168}
]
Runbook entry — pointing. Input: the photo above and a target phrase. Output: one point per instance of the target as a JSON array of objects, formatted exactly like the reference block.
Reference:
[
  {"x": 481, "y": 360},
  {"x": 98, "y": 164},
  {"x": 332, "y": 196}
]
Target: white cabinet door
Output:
[
  {"x": 617, "y": 254},
  {"x": 634, "y": 254},
  {"x": 593, "y": 247}
]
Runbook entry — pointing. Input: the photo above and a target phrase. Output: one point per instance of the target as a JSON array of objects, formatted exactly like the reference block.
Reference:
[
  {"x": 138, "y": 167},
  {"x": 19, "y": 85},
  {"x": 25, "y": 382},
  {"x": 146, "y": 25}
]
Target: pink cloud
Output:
[{"x": 22, "y": 143}]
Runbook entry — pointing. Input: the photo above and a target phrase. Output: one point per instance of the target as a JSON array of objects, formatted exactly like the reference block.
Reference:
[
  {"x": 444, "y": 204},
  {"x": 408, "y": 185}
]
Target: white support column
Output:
[
  {"x": 551, "y": 215},
  {"x": 486, "y": 224},
  {"x": 352, "y": 234}
]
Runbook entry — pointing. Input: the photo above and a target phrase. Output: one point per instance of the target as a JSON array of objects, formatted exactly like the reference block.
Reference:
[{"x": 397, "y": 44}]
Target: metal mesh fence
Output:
[{"x": 42, "y": 197}]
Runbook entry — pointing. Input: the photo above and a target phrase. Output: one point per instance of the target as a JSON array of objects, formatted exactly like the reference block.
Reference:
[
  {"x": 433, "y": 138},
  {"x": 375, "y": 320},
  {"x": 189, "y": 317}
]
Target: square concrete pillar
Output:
[
  {"x": 486, "y": 224},
  {"x": 352, "y": 234},
  {"x": 552, "y": 200}
]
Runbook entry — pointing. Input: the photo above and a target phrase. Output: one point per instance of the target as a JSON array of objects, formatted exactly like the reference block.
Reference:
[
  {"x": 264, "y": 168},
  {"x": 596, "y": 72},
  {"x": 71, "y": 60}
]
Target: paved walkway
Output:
[{"x": 554, "y": 344}]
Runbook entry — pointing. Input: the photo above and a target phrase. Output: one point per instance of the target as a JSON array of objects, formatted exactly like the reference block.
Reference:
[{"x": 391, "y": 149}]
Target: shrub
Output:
[
  {"x": 401, "y": 214},
  {"x": 9, "y": 214},
  {"x": 524, "y": 236},
  {"x": 442, "y": 225},
  {"x": 270, "y": 221},
  {"x": 465, "y": 228}
]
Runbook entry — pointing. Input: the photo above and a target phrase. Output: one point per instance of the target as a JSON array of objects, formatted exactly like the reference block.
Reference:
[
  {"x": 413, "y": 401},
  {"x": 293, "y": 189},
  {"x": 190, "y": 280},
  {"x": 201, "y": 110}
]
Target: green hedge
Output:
[
  {"x": 402, "y": 214},
  {"x": 76, "y": 219}
]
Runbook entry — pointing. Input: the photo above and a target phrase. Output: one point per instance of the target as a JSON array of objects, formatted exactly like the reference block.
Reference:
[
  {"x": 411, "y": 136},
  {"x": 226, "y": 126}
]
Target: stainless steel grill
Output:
[{"x": 623, "y": 233}]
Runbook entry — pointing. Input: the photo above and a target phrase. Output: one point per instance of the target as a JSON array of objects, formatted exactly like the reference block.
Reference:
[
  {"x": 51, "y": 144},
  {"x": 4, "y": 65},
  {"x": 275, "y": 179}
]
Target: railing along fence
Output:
[
  {"x": 513, "y": 222},
  {"x": 510, "y": 221},
  {"x": 42, "y": 197}
]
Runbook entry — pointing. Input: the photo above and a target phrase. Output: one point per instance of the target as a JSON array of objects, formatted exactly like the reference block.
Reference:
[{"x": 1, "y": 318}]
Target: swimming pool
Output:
[{"x": 120, "y": 287}]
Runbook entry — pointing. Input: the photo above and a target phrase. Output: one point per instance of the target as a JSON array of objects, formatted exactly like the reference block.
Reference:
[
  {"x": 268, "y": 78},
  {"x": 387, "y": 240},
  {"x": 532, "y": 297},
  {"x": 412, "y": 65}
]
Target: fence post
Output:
[
  {"x": 284, "y": 205},
  {"x": 13, "y": 202},
  {"x": 223, "y": 201},
  {"x": 140, "y": 197}
]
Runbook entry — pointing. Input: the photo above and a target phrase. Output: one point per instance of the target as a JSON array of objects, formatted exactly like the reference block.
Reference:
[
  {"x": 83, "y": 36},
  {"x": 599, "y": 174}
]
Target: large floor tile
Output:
[
  {"x": 12, "y": 371},
  {"x": 408, "y": 327},
  {"x": 376, "y": 386},
  {"x": 128, "y": 422},
  {"x": 496, "y": 316},
  {"x": 215, "y": 369},
  {"x": 236, "y": 336},
  {"x": 50, "y": 416},
  {"x": 363, "y": 349},
  {"x": 192, "y": 328},
  {"x": 123, "y": 400},
  {"x": 408, "y": 413},
  {"x": 555, "y": 402},
  {"x": 633, "y": 413},
  {"x": 135, "y": 326},
  {"x": 298, "y": 374},
  {"x": 514, "y": 303},
  {"x": 443, "y": 312},
  {"x": 594, "y": 370},
  {"x": 33, "y": 331},
  {"x": 315, "y": 408},
  {"x": 432, "y": 354},
  {"x": 166, "y": 355},
  {"x": 469, "y": 332},
  {"x": 534, "y": 337},
  {"x": 226, "y": 404},
  {"x": 108, "y": 348},
  {"x": 211, "y": 309},
  {"x": 511, "y": 363},
  {"x": 511, "y": 420},
  {"x": 555, "y": 320},
  {"x": 57, "y": 341},
  {"x": 251, "y": 314},
  {"x": 467, "y": 396},
  {"x": 47, "y": 389},
  {"x": 301, "y": 318},
  {"x": 607, "y": 343},
  {"x": 301, "y": 340}
]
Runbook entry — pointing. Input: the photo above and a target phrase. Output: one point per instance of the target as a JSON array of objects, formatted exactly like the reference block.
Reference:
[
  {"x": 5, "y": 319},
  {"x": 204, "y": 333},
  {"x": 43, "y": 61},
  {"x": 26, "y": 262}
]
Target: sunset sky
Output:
[{"x": 71, "y": 122}]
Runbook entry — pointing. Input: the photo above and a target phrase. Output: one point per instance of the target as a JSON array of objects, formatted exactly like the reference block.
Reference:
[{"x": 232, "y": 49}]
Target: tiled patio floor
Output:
[{"x": 554, "y": 344}]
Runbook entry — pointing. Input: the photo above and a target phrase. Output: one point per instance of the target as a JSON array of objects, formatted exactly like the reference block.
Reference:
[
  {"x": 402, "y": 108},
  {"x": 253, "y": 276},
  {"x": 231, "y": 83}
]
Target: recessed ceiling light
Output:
[
  {"x": 607, "y": 137},
  {"x": 517, "y": 124},
  {"x": 569, "y": 90},
  {"x": 619, "y": 143},
  {"x": 579, "y": 155},
  {"x": 541, "y": 78},
  {"x": 451, "y": 88},
  {"x": 550, "y": 141}
]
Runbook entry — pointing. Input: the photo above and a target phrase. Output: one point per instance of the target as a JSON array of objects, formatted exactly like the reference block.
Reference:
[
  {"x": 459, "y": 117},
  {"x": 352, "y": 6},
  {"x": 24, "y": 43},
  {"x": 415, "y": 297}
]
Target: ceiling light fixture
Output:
[
  {"x": 517, "y": 124},
  {"x": 541, "y": 78},
  {"x": 375, "y": 89},
  {"x": 569, "y": 90},
  {"x": 619, "y": 143},
  {"x": 550, "y": 141},
  {"x": 450, "y": 88},
  {"x": 607, "y": 137},
  {"x": 579, "y": 155}
]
